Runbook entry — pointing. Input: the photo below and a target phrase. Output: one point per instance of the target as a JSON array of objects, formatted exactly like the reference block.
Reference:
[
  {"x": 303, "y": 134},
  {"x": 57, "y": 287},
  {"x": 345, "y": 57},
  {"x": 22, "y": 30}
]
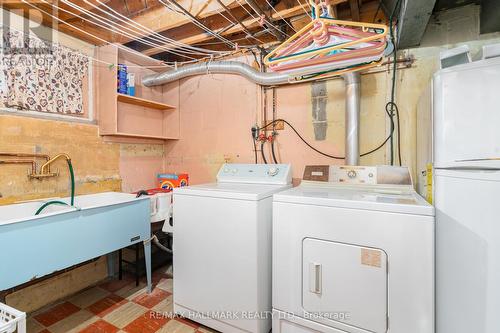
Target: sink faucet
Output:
[
  {"x": 45, "y": 172},
  {"x": 45, "y": 168}
]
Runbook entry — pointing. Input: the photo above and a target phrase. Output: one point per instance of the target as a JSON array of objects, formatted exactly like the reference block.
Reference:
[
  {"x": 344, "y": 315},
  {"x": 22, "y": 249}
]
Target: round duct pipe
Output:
[
  {"x": 217, "y": 67},
  {"x": 352, "y": 106}
]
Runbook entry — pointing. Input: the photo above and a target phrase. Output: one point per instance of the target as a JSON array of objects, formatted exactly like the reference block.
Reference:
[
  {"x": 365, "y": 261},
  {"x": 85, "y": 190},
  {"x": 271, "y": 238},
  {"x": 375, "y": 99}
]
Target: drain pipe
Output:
[{"x": 352, "y": 106}]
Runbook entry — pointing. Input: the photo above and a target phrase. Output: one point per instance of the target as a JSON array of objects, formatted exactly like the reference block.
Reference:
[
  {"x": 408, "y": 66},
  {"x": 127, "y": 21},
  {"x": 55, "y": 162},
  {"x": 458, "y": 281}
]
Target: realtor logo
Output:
[{"x": 27, "y": 36}]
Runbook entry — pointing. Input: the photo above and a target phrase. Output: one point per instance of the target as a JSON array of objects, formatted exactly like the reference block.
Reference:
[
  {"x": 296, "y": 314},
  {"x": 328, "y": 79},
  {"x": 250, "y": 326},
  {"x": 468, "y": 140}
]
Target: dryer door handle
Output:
[{"x": 315, "y": 278}]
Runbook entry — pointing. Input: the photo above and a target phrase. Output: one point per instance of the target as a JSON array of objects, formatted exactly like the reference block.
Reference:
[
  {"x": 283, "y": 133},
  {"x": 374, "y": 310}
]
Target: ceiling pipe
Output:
[
  {"x": 352, "y": 106},
  {"x": 217, "y": 67}
]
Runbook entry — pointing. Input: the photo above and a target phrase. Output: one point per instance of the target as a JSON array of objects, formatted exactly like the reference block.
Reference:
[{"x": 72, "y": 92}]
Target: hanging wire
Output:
[
  {"x": 145, "y": 30},
  {"x": 118, "y": 31},
  {"x": 303, "y": 8},
  {"x": 243, "y": 26},
  {"x": 258, "y": 18},
  {"x": 98, "y": 61},
  {"x": 197, "y": 22},
  {"x": 282, "y": 18},
  {"x": 88, "y": 33}
]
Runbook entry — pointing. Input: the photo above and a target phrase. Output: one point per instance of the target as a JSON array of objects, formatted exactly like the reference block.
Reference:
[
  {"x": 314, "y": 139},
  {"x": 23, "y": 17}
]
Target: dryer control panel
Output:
[
  {"x": 273, "y": 174},
  {"x": 353, "y": 174},
  {"x": 358, "y": 175}
]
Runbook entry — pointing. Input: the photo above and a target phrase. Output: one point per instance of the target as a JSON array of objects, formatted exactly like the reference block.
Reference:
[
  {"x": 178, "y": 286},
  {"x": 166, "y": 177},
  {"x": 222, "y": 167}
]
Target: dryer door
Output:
[{"x": 345, "y": 283}]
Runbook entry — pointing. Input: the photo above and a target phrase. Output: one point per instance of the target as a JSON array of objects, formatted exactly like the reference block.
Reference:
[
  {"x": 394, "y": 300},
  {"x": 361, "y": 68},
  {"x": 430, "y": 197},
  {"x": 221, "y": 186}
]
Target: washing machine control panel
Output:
[{"x": 255, "y": 173}]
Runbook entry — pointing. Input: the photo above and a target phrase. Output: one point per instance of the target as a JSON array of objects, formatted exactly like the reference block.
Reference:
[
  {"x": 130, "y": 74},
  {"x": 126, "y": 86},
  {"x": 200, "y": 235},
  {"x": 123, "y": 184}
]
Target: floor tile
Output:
[
  {"x": 74, "y": 323},
  {"x": 156, "y": 277},
  {"x": 174, "y": 326},
  {"x": 115, "y": 284},
  {"x": 166, "y": 284},
  {"x": 88, "y": 297},
  {"x": 125, "y": 314},
  {"x": 106, "y": 305},
  {"x": 165, "y": 307},
  {"x": 130, "y": 291},
  {"x": 100, "y": 326},
  {"x": 33, "y": 326},
  {"x": 188, "y": 322},
  {"x": 150, "y": 300},
  {"x": 204, "y": 329},
  {"x": 56, "y": 313},
  {"x": 147, "y": 323}
]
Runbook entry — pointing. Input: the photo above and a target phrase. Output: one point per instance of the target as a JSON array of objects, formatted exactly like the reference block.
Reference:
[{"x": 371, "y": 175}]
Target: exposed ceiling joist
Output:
[
  {"x": 235, "y": 20},
  {"x": 249, "y": 23},
  {"x": 354, "y": 10}
]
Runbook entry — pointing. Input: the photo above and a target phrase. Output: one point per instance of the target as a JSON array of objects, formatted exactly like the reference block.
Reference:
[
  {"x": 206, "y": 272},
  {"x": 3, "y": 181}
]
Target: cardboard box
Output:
[{"x": 171, "y": 180}]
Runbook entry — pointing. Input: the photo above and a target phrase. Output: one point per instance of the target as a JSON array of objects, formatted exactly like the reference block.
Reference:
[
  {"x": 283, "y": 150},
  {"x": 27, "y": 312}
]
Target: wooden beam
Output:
[
  {"x": 354, "y": 10},
  {"x": 135, "y": 6},
  {"x": 249, "y": 23},
  {"x": 28, "y": 12},
  {"x": 161, "y": 18}
]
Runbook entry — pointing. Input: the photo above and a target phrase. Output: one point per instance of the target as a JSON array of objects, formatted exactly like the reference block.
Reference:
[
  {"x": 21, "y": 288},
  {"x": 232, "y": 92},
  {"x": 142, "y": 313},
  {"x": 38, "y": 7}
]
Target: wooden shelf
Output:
[
  {"x": 143, "y": 102},
  {"x": 140, "y": 136},
  {"x": 131, "y": 119}
]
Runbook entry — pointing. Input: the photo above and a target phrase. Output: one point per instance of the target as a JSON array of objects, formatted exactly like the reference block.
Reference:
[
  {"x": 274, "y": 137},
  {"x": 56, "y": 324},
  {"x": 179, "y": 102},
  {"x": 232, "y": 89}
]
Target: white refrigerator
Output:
[{"x": 458, "y": 160}]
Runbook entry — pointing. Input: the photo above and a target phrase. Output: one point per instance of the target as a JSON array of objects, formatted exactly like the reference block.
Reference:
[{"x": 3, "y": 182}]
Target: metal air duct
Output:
[
  {"x": 352, "y": 106},
  {"x": 217, "y": 67}
]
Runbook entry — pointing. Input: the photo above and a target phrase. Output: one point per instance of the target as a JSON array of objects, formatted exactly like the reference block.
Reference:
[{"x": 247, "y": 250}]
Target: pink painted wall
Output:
[{"x": 218, "y": 111}]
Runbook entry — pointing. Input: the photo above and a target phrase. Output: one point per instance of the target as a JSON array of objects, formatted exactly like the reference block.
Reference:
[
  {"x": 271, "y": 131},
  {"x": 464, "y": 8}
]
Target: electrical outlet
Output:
[{"x": 279, "y": 125}]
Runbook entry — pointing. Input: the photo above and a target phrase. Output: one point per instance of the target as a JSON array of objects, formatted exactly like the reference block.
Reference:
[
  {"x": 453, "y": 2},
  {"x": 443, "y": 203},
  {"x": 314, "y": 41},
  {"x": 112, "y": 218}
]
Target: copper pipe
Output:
[
  {"x": 44, "y": 156},
  {"x": 47, "y": 157},
  {"x": 44, "y": 169},
  {"x": 13, "y": 161}
]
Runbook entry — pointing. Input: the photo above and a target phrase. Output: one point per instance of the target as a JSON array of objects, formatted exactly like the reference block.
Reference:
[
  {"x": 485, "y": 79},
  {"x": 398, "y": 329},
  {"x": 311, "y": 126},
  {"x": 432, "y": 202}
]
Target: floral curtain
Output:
[{"x": 39, "y": 76}]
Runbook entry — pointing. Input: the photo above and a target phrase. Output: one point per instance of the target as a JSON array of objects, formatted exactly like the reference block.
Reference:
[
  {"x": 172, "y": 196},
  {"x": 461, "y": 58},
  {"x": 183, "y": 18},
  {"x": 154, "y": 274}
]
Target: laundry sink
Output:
[{"x": 32, "y": 246}]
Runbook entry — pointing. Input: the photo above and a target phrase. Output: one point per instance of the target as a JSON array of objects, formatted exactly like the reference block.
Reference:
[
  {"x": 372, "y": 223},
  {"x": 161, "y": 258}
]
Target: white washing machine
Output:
[
  {"x": 222, "y": 248},
  {"x": 353, "y": 251}
]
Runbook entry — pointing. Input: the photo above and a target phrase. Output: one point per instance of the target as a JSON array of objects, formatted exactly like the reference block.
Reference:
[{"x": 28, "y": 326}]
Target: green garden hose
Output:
[
  {"x": 57, "y": 202},
  {"x": 72, "y": 175}
]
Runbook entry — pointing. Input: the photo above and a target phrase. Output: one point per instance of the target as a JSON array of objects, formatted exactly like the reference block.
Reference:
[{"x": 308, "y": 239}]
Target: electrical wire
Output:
[
  {"x": 305, "y": 11},
  {"x": 262, "y": 152},
  {"x": 301, "y": 138},
  {"x": 144, "y": 29},
  {"x": 319, "y": 151},
  {"x": 255, "y": 150},
  {"x": 258, "y": 18},
  {"x": 195, "y": 21},
  {"x": 146, "y": 34},
  {"x": 282, "y": 18},
  {"x": 88, "y": 33},
  {"x": 164, "y": 63},
  {"x": 245, "y": 29},
  {"x": 394, "y": 112},
  {"x": 275, "y": 160},
  {"x": 113, "y": 29}
]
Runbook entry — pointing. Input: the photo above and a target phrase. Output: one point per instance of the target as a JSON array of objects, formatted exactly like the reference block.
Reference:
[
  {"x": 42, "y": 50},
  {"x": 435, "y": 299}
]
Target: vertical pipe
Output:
[{"x": 352, "y": 105}]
